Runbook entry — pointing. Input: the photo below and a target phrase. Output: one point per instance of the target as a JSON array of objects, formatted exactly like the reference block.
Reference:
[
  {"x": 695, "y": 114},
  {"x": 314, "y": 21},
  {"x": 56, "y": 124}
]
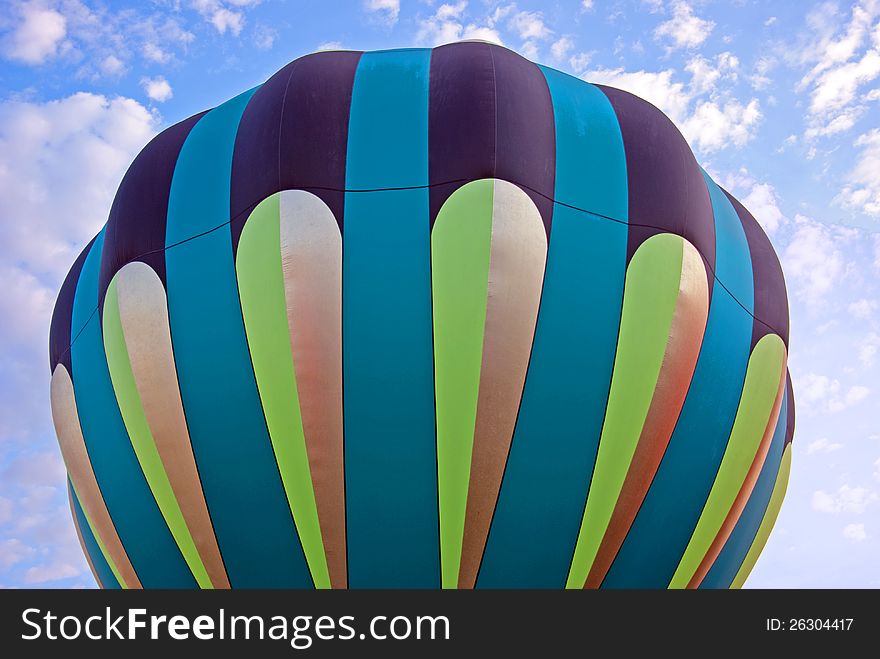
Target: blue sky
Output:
[{"x": 779, "y": 100}]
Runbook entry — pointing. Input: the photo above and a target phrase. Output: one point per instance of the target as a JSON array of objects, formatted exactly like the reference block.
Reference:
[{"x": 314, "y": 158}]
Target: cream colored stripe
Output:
[
  {"x": 143, "y": 311},
  {"x": 517, "y": 258},
  {"x": 79, "y": 536},
  {"x": 311, "y": 263},
  {"x": 79, "y": 467}
]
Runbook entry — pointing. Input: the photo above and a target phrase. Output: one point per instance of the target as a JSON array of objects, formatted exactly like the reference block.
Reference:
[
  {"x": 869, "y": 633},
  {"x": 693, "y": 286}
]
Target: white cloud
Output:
[
  {"x": 170, "y": 30},
  {"x": 770, "y": 21},
  {"x": 821, "y": 394},
  {"x": 160, "y": 37},
  {"x": 26, "y": 307},
  {"x": 5, "y": 510},
  {"x": 868, "y": 349},
  {"x": 854, "y": 395},
  {"x": 529, "y": 50},
  {"x": 224, "y": 16},
  {"x": 43, "y": 519},
  {"x": 587, "y": 4},
  {"x": 561, "y": 48},
  {"x": 658, "y": 88},
  {"x": 814, "y": 388},
  {"x": 762, "y": 202},
  {"x": 530, "y": 25},
  {"x": 443, "y": 27},
  {"x": 837, "y": 87},
  {"x": 685, "y": 29},
  {"x": 481, "y": 33},
  {"x": 842, "y": 60},
  {"x": 714, "y": 125},
  {"x": 387, "y": 11},
  {"x": 735, "y": 180},
  {"x": 727, "y": 61},
  {"x": 225, "y": 19},
  {"x": 862, "y": 308},
  {"x": 98, "y": 39},
  {"x": 42, "y": 469},
  {"x": 847, "y": 499},
  {"x": 60, "y": 164},
  {"x": 708, "y": 117},
  {"x": 50, "y": 572},
  {"x": 112, "y": 66},
  {"x": 157, "y": 89},
  {"x": 265, "y": 36},
  {"x": 862, "y": 189},
  {"x": 447, "y": 24},
  {"x": 828, "y": 48},
  {"x": 579, "y": 62},
  {"x": 877, "y": 469},
  {"x": 855, "y": 532},
  {"x": 14, "y": 551},
  {"x": 500, "y": 12},
  {"x": 154, "y": 53},
  {"x": 823, "y": 446},
  {"x": 330, "y": 45},
  {"x": 704, "y": 75},
  {"x": 451, "y": 22},
  {"x": 812, "y": 261},
  {"x": 759, "y": 78},
  {"x": 840, "y": 123},
  {"x": 37, "y": 35}
]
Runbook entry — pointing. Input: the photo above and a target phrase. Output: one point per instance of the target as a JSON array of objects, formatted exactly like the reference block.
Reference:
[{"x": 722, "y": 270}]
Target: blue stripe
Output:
[
  {"x": 390, "y": 450},
  {"x": 730, "y": 559},
  {"x": 658, "y": 537},
  {"x": 551, "y": 458},
  {"x": 141, "y": 527},
  {"x": 240, "y": 478},
  {"x": 105, "y": 576}
]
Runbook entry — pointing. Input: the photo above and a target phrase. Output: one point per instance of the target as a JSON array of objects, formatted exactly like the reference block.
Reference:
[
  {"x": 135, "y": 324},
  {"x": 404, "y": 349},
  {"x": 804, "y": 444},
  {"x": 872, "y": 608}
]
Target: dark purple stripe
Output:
[
  {"x": 789, "y": 421},
  {"x": 667, "y": 191},
  {"x": 62, "y": 315},
  {"x": 771, "y": 298},
  {"x": 461, "y": 119},
  {"x": 294, "y": 135},
  {"x": 255, "y": 159},
  {"x": 525, "y": 130},
  {"x": 136, "y": 227},
  {"x": 490, "y": 115}
]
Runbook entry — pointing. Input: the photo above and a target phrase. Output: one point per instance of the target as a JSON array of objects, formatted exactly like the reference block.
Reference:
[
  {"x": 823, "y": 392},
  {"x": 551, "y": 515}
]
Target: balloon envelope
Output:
[{"x": 423, "y": 318}]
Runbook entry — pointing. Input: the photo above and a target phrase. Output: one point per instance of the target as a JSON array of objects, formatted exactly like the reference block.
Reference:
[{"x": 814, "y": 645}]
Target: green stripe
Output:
[
  {"x": 100, "y": 542},
  {"x": 135, "y": 420},
  {"x": 650, "y": 293},
  {"x": 263, "y": 305},
  {"x": 460, "y": 248},
  {"x": 759, "y": 394},
  {"x": 767, "y": 523}
]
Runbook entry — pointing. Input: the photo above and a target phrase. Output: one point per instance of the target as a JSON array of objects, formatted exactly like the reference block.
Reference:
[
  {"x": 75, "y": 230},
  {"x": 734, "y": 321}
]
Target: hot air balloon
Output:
[{"x": 423, "y": 318}]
